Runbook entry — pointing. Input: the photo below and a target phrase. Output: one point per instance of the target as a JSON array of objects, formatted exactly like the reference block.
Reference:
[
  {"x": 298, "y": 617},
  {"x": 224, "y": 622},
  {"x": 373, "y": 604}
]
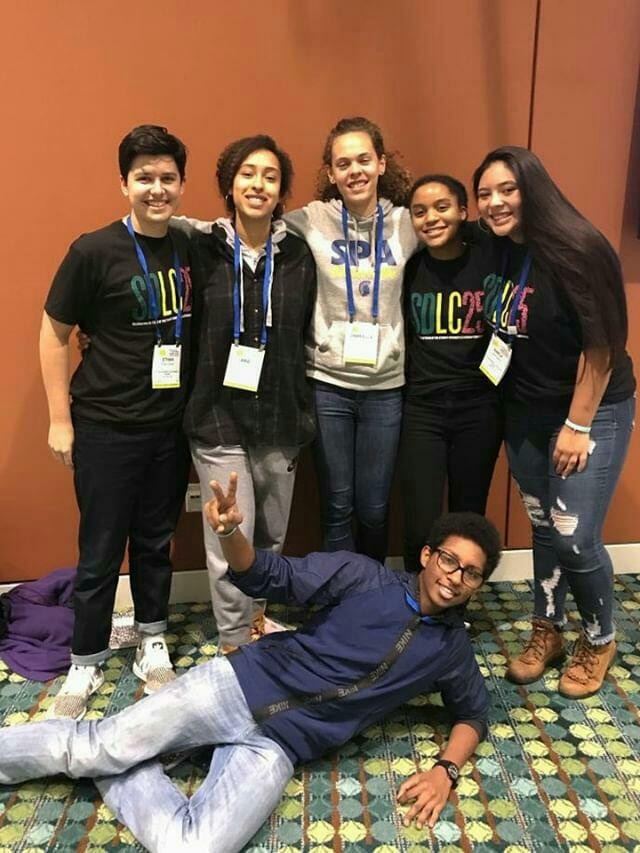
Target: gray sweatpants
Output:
[{"x": 266, "y": 476}]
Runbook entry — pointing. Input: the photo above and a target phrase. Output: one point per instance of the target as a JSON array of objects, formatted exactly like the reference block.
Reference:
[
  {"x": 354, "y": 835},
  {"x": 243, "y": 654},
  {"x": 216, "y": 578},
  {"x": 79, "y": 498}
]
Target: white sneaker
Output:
[
  {"x": 152, "y": 664},
  {"x": 124, "y": 634},
  {"x": 71, "y": 701}
]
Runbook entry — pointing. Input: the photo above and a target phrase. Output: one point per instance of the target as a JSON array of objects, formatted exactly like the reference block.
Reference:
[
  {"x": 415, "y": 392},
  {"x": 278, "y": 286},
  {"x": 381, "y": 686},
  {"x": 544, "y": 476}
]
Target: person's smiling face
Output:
[
  {"x": 436, "y": 214},
  {"x": 355, "y": 169},
  {"x": 256, "y": 186},
  {"x": 500, "y": 202},
  {"x": 153, "y": 187},
  {"x": 441, "y": 580}
]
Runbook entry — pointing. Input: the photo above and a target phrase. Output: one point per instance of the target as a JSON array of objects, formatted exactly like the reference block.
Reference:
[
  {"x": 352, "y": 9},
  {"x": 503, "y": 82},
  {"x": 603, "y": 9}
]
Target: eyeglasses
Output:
[{"x": 471, "y": 576}]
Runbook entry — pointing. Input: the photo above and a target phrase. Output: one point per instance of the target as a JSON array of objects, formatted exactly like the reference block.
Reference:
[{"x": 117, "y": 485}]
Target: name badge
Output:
[
  {"x": 361, "y": 343},
  {"x": 496, "y": 360},
  {"x": 165, "y": 367},
  {"x": 244, "y": 367}
]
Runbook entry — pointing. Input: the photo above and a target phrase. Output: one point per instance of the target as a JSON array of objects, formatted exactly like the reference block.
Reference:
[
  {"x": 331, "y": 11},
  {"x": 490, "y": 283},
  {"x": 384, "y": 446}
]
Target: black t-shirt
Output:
[
  {"x": 100, "y": 287},
  {"x": 549, "y": 338},
  {"x": 446, "y": 331}
]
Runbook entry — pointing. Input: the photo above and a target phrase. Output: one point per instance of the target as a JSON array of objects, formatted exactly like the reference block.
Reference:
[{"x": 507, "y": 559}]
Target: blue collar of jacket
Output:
[{"x": 452, "y": 616}]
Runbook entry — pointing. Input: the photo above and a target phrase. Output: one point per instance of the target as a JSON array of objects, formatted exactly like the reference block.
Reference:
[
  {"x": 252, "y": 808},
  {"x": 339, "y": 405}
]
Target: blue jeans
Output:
[
  {"x": 355, "y": 452},
  {"x": 567, "y": 514},
  {"x": 205, "y": 706}
]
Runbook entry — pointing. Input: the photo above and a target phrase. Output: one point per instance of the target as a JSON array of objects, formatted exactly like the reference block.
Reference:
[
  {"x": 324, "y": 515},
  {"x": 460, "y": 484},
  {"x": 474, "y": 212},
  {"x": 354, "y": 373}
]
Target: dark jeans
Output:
[
  {"x": 567, "y": 515},
  {"x": 129, "y": 485},
  {"x": 452, "y": 440},
  {"x": 355, "y": 453}
]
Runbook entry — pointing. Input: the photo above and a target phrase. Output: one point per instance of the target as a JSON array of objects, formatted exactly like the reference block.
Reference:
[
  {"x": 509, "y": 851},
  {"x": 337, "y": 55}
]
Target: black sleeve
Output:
[
  {"x": 72, "y": 289},
  {"x": 409, "y": 273},
  {"x": 197, "y": 287},
  {"x": 312, "y": 288}
]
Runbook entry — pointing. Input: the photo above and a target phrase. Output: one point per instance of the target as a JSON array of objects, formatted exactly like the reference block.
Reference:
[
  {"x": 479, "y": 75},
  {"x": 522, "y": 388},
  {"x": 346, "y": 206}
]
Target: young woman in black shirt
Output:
[
  {"x": 556, "y": 300},
  {"x": 452, "y": 421}
]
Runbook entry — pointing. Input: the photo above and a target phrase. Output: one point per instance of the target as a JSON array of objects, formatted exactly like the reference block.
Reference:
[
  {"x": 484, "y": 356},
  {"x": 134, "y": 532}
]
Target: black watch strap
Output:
[{"x": 452, "y": 770}]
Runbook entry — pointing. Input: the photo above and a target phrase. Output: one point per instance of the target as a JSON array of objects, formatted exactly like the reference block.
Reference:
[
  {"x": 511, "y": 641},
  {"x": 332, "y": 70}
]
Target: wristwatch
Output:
[{"x": 452, "y": 770}]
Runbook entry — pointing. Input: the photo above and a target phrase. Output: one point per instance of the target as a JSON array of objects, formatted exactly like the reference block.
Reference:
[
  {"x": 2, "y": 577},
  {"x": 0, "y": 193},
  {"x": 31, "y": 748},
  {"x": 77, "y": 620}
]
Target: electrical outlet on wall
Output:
[{"x": 193, "y": 498}]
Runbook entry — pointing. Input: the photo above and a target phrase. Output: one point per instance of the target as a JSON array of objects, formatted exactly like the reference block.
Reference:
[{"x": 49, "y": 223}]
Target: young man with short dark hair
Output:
[
  {"x": 117, "y": 423},
  {"x": 381, "y": 638}
]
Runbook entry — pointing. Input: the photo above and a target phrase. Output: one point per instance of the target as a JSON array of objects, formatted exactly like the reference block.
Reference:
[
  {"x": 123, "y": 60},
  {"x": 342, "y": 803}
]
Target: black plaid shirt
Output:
[{"x": 281, "y": 413}]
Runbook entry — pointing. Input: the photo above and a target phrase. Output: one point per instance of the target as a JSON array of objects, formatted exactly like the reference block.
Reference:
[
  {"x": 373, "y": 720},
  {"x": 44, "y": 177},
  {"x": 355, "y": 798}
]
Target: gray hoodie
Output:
[{"x": 320, "y": 224}]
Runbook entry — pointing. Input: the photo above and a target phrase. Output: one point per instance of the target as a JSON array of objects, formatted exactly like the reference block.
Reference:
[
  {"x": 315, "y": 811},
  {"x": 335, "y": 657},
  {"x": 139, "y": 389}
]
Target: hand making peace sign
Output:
[{"x": 222, "y": 511}]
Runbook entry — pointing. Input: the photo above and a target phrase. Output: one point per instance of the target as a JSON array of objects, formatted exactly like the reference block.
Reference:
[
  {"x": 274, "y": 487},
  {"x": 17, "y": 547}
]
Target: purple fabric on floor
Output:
[{"x": 38, "y": 642}]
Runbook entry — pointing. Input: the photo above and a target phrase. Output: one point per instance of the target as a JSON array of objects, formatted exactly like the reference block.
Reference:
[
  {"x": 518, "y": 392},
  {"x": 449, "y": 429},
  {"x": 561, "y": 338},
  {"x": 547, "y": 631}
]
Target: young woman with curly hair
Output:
[
  {"x": 250, "y": 406},
  {"x": 361, "y": 237},
  {"x": 556, "y": 300}
]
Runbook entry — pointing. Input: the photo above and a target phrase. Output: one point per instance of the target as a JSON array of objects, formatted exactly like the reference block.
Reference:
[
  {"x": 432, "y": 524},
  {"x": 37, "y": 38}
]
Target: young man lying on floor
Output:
[{"x": 381, "y": 638}]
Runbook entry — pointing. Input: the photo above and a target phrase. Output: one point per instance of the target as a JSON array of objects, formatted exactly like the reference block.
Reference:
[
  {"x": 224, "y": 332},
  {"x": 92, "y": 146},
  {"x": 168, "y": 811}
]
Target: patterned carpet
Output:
[{"x": 555, "y": 774}]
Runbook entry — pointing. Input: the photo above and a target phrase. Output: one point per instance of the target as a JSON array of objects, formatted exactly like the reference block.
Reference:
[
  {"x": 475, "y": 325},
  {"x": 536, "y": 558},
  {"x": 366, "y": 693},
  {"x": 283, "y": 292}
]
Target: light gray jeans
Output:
[
  {"x": 266, "y": 477},
  {"x": 205, "y": 706}
]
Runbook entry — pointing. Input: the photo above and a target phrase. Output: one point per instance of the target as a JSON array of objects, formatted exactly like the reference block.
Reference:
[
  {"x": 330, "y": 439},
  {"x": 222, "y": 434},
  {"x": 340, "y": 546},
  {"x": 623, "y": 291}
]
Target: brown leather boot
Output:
[
  {"x": 545, "y": 646},
  {"x": 587, "y": 668}
]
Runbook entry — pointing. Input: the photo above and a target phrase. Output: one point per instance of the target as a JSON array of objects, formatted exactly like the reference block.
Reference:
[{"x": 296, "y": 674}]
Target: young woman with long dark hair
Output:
[
  {"x": 361, "y": 237},
  {"x": 556, "y": 301},
  {"x": 452, "y": 420}
]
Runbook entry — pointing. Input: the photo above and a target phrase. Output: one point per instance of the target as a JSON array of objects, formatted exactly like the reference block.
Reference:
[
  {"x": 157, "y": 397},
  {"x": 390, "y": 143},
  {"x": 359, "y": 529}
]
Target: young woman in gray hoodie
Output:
[{"x": 361, "y": 237}]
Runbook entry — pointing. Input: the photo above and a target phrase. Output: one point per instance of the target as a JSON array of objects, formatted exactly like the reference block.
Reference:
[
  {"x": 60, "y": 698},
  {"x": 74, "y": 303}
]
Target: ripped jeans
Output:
[{"x": 567, "y": 515}]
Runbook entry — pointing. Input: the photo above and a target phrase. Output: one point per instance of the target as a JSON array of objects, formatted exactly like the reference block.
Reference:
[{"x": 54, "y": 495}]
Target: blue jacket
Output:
[{"x": 360, "y": 657}]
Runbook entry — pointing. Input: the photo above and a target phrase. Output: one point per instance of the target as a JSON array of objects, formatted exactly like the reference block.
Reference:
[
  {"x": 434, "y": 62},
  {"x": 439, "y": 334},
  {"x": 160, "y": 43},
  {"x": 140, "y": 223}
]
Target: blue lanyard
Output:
[
  {"x": 266, "y": 286},
  {"x": 351, "y": 306},
  {"x": 413, "y": 604},
  {"x": 153, "y": 300},
  {"x": 522, "y": 281}
]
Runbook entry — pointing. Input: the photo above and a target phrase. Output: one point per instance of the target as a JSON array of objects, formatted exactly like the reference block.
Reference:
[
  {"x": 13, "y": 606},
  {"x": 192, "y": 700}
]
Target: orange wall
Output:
[{"x": 446, "y": 82}]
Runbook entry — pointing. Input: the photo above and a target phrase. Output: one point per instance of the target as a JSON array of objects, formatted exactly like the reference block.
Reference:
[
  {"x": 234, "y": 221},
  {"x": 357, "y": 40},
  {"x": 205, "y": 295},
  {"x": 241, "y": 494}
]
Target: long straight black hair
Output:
[{"x": 569, "y": 249}]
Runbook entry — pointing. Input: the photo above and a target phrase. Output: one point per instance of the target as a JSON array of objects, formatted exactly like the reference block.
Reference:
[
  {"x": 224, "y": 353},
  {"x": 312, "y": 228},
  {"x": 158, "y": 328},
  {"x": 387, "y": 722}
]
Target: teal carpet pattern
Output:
[{"x": 554, "y": 774}]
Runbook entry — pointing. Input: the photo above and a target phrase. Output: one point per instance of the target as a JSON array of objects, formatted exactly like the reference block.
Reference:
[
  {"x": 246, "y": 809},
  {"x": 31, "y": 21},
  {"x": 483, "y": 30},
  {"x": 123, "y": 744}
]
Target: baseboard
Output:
[{"x": 515, "y": 565}]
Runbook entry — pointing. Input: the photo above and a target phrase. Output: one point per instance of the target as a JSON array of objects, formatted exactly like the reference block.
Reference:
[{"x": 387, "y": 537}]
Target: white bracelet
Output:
[
  {"x": 585, "y": 430},
  {"x": 228, "y": 533}
]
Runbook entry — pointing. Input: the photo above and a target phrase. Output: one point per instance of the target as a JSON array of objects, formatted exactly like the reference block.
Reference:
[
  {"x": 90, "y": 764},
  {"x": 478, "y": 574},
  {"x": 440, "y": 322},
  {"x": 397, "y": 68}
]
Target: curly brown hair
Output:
[
  {"x": 395, "y": 184},
  {"x": 236, "y": 153}
]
